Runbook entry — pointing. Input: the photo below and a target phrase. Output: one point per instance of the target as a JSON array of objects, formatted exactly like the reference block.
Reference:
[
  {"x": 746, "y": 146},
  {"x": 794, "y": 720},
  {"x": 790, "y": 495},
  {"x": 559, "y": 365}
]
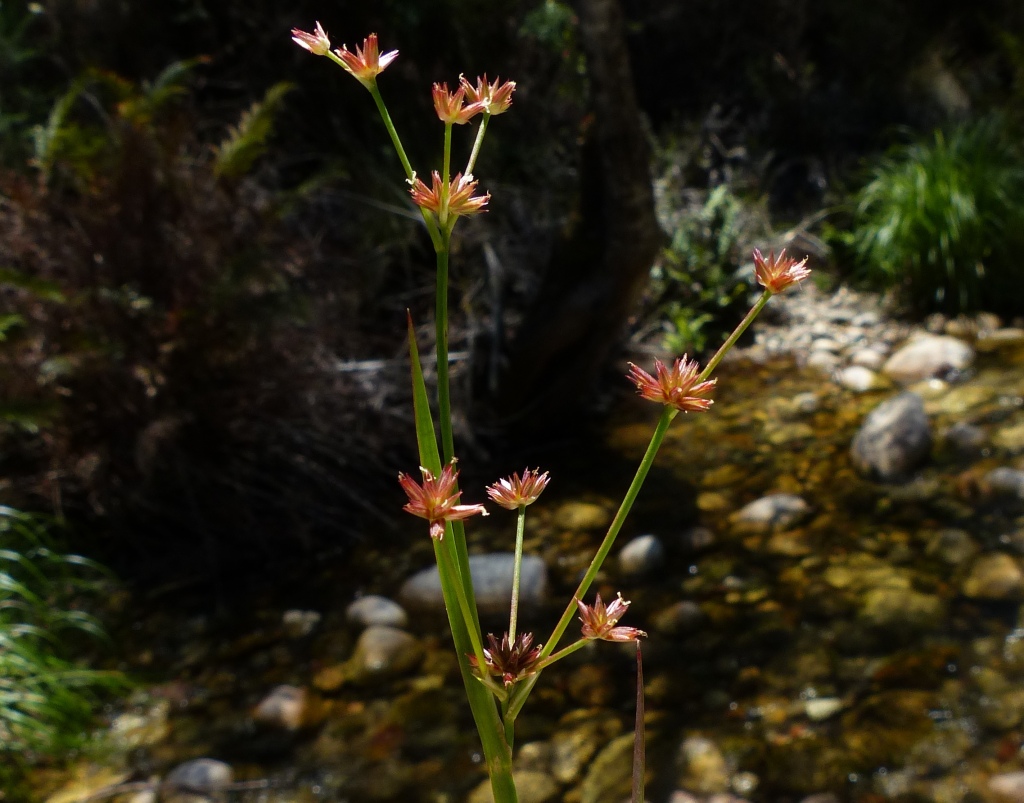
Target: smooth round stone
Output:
[
  {"x": 806, "y": 403},
  {"x": 1000, "y": 339},
  {"x": 824, "y": 361},
  {"x": 492, "y": 584},
  {"x": 581, "y": 516},
  {"x": 821, "y": 708},
  {"x": 964, "y": 438},
  {"x": 198, "y": 779},
  {"x": 703, "y": 768},
  {"x": 901, "y": 610},
  {"x": 1007, "y": 787},
  {"x": 894, "y": 439},
  {"x": 298, "y": 624},
  {"x": 696, "y": 539},
  {"x": 772, "y": 512},
  {"x": 1010, "y": 438},
  {"x": 642, "y": 556},
  {"x": 858, "y": 378},
  {"x": 285, "y": 707},
  {"x": 376, "y": 610},
  {"x": 868, "y": 358},
  {"x": 953, "y": 546},
  {"x": 1005, "y": 480},
  {"x": 681, "y": 617},
  {"x": 996, "y": 577},
  {"x": 929, "y": 356},
  {"x": 384, "y": 651}
]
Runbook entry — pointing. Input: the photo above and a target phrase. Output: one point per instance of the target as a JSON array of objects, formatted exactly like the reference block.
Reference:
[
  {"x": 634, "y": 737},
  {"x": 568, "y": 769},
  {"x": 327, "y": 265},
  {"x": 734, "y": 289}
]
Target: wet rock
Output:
[
  {"x": 492, "y": 583},
  {"x": 1010, "y": 438},
  {"x": 298, "y": 624},
  {"x": 681, "y": 796},
  {"x": 286, "y": 707},
  {"x": 532, "y": 787},
  {"x": 995, "y": 577},
  {"x": 577, "y": 741},
  {"x": 1000, "y": 339},
  {"x": 965, "y": 439},
  {"x": 894, "y": 439},
  {"x": 824, "y": 361},
  {"x": 953, "y": 546},
  {"x": 86, "y": 782},
  {"x": 201, "y": 779},
  {"x": 858, "y": 379},
  {"x": 134, "y": 729},
  {"x": 1007, "y": 787},
  {"x": 927, "y": 357},
  {"x": 642, "y": 556},
  {"x": 703, "y": 768},
  {"x": 872, "y": 359},
  {"x": 696, "y": 539},
  {"x": 581, "y": 516},
  {"x": 1005, "y": 480},
  {"x": 681, "y": 617},
  {"x": 376, "y": 610},
  {"x": 901, "y": 610},
  {"x": 743, "y": 783},
  {"x": 806, "y": 403},
  {"x": 772, "y": 512},
  {"x": 819, "y": 709},
  {"x": 609, "y": 778},
  {"x": 384, "y": 652}
]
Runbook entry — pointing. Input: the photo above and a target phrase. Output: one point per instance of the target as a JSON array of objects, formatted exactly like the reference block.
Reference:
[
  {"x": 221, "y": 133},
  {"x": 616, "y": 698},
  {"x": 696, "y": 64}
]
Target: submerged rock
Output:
[
  {"x": 995, "y": 577},
  {"x": 201, "y": 779},
  {"x": 702, "y": 767},
  {"x": 894, "y": 439},
  {"x": 286, "y": 707},
  {"x": 772, "y": 512},
  {"x": 492, "y": 583},
  {"x": 532, "y": 787}
]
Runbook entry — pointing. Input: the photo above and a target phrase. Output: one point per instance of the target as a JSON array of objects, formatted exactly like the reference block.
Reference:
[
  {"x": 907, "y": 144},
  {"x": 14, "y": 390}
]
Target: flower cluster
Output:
[
  {"x": 776, "y": 273},
  {"x": 676, "y": 386},
  {"x": 437, "y": 499},
  {"x": 365, "y": 64},
  {"x": 449, "y": 201},
  {"x": 512, "y": 661},
  {"x": 515, "y": 491},
  {"x": 600, "y": 620}
]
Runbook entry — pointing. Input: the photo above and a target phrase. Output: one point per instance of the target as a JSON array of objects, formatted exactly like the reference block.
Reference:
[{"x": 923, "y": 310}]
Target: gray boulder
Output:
[
  {"x": 894, "y": 439},
  {"x": 927, "y": 357},
  {"x": 492, "y": 584}
]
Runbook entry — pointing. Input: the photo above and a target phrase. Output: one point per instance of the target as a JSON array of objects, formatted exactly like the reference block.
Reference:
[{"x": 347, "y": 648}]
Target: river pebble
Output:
[
  {"x": 995, "y": 577},
  {"x": 197, "y": 780},
  {"x": 894, "y": 439},
  {"x": 928, "y": 357},
  {"x": 285, "y": 707},
  {"x": 1008, "y": 787},
  {"x": 492, "y": 584},
  {"x": 642, "y": 556},
  {"x": 1005, "y": 480},
  {"x": 702, "y": 766},
  {"x": 376, "y": 610},
  {"x": 772, "y": 512}
]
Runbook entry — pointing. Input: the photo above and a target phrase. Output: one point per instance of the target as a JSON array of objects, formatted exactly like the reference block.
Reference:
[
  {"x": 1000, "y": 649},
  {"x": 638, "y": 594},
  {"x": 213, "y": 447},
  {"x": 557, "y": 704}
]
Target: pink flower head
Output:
[
  {"x": 515, "y": 491},
  {"x": 316, "y": 43},
  {"x": 451, "y": 106},
  {"x": 493, "y": 98},
  {"x": 676, "y": 386},
  {"x": 367, "y": 62},
  {"x": 437, "y": 499},
  {"x": 511, "y": 661},
  {"x": 456, "y": 199},
  {"x": 778, "y": 273},
  {"x": 599, "y": 620}
]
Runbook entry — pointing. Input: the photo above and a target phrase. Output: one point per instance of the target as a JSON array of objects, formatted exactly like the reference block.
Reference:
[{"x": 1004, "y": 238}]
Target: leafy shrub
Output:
[
  {"x": 698, "y": 282},
  {"x": 46, "y": 699},
  {"x": 943, "y": 221}
]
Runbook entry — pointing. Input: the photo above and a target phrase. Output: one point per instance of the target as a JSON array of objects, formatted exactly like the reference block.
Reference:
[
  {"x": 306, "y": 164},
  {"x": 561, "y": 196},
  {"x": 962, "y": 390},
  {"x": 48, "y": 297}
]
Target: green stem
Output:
[
  {"x": 446, "y": 564},
  {"x": 444, "y": 404},
  {"x": 563, "y": 653},
  {"x": 731, "y": 341},
  {"x": 476, "y": 145},
  {"x": 521, "y": 693},
  {"x": 516, "y": 569}
]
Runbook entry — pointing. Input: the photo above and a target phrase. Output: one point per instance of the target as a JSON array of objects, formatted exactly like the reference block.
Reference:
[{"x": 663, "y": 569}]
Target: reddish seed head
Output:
[
  {"x": 493, "y": 98},
  {"x": 515, "y": 491},
  {"x": 676, "y": 386},
  {"x": 437, "y": 499},
  {"x": 451, "y": 107},
  {"x": 367, "y": 62},
  {"x": 511, "y": 661},
  {"x": 316, "y": 43},
  {"x": 778, "y": 273},
  {"x": 600, "y": 620},
  {"x": 457, "y": 198}
]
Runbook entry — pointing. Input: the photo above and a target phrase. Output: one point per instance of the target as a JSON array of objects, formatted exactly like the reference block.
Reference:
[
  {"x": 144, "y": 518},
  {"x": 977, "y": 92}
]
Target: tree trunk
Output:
[{"x": 600, "y": 265}]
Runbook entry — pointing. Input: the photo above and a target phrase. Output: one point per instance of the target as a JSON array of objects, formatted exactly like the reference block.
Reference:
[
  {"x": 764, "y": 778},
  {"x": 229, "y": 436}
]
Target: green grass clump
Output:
[
  {"x": 46, "y": 699},
  {"x": 942, "y": 220}
]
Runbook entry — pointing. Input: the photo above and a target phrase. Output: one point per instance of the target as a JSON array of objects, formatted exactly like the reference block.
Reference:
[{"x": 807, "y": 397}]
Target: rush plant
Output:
[{"x": 499, "y": 673}]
